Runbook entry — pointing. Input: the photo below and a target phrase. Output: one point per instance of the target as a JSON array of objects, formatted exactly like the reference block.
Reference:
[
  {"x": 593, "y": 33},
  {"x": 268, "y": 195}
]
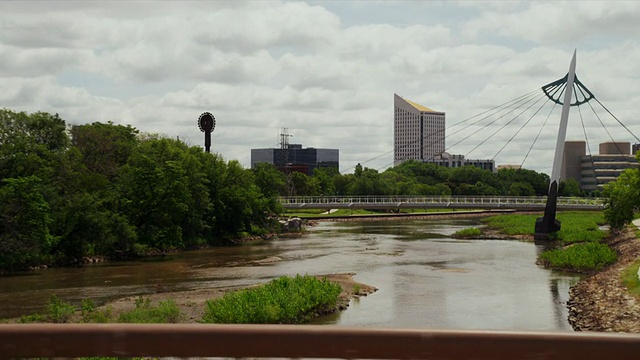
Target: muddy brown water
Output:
[{"x": 426, "y": 279}]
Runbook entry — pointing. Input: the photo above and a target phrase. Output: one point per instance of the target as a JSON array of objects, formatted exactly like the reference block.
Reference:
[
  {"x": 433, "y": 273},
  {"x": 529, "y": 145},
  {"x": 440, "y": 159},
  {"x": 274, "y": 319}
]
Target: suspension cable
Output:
[
  {"x": 537, "y": 136},
  {"x": 619, "y": 122},
  {"x": 503, "y": 126},
  {"x": 606, "y": 130},
  {"x": 490, "y": 123},
  {"x": 522, "y": 127}
]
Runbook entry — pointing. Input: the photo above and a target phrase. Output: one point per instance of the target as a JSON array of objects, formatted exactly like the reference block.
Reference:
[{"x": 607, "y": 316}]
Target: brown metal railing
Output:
[{"x": 304, "y": 341}]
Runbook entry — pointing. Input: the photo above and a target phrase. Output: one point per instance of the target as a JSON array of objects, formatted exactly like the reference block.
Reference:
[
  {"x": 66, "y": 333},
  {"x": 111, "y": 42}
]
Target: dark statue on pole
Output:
[{"x": 206, "y": 123}]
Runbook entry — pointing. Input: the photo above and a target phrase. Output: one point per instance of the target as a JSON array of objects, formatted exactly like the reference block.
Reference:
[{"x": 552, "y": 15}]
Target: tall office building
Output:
[{"x": 418, "y": 132}]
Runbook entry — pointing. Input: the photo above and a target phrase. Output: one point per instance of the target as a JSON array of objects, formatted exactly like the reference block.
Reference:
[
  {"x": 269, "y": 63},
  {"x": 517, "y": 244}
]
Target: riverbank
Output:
[
  {"x": 192, "y": 303},
  {"x": 601, "y": 302}
]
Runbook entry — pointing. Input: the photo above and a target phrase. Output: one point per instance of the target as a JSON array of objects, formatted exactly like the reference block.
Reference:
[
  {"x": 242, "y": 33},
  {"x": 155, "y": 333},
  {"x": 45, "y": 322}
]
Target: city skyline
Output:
[{"x": 325, "y": 70}]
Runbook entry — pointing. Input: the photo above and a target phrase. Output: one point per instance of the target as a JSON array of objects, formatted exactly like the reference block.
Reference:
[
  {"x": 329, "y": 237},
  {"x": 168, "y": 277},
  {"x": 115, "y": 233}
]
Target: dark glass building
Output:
[{"x": 296, "y": 158}]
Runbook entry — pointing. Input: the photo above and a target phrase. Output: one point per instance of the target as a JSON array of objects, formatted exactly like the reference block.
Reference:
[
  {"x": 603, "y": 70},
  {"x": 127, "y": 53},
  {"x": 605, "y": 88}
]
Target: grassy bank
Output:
[
  {"x": 579, "y": 239},
  {"x": 576, "y": 226},
  {"x": 282, "y": 301}
]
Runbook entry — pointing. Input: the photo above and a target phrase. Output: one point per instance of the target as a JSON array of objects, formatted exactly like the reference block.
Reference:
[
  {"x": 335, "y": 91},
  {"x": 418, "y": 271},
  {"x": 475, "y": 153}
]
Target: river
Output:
[{"x": 426, "y": 279}]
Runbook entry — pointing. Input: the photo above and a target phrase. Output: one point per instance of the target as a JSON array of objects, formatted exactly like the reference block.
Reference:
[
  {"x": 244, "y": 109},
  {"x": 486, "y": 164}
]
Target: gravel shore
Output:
[{"x": 601, "y": 302}]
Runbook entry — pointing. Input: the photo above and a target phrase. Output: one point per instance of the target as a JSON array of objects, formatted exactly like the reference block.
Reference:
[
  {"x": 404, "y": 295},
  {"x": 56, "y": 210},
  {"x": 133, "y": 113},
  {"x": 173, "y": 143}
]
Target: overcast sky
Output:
[{"x": 326, "y": 70}]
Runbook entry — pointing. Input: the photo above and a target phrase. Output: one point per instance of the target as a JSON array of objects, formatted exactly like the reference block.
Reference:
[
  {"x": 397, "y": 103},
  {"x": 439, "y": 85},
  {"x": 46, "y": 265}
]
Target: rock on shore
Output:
[{"x": 601, "y": 302}]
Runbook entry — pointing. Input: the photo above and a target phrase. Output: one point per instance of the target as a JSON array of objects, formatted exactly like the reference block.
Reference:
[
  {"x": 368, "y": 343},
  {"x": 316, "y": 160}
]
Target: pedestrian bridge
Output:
[{"x": 530, "y": 203}]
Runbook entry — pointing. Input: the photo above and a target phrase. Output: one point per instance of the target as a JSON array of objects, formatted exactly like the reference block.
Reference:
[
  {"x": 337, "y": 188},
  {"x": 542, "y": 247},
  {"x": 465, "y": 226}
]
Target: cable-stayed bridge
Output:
[
  {"x": 522, "y": 203},
  {"x": 523, "y": 131}
]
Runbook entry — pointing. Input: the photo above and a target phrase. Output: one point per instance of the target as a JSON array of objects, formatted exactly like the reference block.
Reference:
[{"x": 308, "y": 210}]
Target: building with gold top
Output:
[{"x": 418, "y": 132}]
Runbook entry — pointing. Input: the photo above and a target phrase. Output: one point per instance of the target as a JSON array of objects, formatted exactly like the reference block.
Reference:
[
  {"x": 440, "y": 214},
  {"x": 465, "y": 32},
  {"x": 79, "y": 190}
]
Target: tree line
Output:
[
  {"x": 101, "y": 189},
  {"x": 415, "y": 178}
]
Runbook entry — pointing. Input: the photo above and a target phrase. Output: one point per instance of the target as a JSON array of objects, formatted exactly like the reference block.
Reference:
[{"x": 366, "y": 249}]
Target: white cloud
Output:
[{"x": 321, "y": 69}]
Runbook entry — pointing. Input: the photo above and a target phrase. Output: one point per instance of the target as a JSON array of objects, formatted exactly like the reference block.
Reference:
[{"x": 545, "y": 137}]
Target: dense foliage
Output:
[
  {"x": 623, "y": 198},
  {"x": 69, "y": 192},
  {"x": 282, "y": 301}
]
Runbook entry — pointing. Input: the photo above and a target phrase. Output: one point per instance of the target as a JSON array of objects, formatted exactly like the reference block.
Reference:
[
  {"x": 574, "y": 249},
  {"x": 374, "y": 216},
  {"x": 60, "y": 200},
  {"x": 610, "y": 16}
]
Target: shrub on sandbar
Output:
[{"x": 284, "y": 300}]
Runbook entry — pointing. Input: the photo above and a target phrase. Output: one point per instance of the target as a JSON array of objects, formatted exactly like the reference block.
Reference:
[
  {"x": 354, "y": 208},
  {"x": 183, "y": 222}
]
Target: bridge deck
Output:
[{"x": 537, "y": 203}]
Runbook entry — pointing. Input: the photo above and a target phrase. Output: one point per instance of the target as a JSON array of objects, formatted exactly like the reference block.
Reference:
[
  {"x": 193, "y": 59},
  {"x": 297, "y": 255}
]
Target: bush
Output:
[
  {"x": 25, "y": 319},
  {"x": 583, "y": 256},
  {"x": 283, "y": 300},
  {"x": 60, "y": 311},
  {"x": 166, "y": 312}
]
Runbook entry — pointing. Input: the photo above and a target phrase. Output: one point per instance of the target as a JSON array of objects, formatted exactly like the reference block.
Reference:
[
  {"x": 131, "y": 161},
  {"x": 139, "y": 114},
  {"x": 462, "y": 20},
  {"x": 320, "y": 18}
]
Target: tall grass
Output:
[
  {"x": 282, "y": 301},
  {"x": 583, "y": 256}
]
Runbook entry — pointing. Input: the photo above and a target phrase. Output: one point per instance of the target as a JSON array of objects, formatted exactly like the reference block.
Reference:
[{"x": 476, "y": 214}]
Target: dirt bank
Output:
[
  {"x": 601, "y": 302},
  {"x": 192, "y": 303}
]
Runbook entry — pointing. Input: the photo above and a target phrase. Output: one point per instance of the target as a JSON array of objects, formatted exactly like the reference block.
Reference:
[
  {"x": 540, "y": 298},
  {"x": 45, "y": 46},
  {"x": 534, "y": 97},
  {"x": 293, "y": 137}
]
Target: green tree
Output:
[
  {"x": 270, "y": 180},
  {"x": 569, "y": 187},
  {"x": 622, "y": 198},
  {"x": 324, "y": 178},
  {"x": 30, "y": 143},
  {"x": 521, "y": 189},
  {"x": 155, "y": 193},
  {"x": 24, "y": 223},
  {"x": 105, "y": 147},
  {"x": 342, "y": 183},
  {"x": 538, "y": 181},
  {"x": 305, "y": 185}
]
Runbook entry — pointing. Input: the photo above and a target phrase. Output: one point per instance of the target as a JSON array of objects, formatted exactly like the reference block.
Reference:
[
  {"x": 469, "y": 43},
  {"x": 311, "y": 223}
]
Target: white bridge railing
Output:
[{"x": 453, "y": 202}]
